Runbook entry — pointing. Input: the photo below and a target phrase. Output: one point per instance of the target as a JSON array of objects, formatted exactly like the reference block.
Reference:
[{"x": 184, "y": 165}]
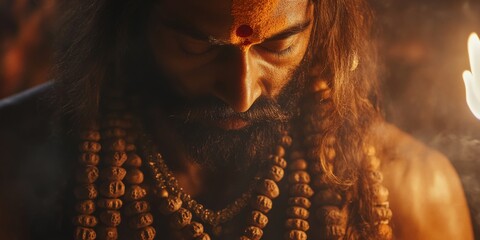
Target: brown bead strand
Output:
[
  {"x": 86, "y": 191},
  {"x": 112, "y": 174},
  {"x": 381, "y": 208},
  {"x": 299, "y": 202},
  {"x": 267, "y": 189},
  {"x": 137, "y": 209},
  {"x": 171, "y": 206},
  {"x": 331, "y": 210}
]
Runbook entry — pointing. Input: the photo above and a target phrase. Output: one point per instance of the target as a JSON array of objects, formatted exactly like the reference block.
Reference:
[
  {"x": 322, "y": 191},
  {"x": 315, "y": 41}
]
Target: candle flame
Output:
[{"x": 472, "y": 78}]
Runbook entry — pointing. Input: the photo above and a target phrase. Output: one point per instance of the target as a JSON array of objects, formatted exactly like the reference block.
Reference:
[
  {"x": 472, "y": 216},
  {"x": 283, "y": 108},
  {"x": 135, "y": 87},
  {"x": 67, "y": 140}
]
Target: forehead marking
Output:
[
  {"x": 244, "y": 31},
  {"x": 253, "y": 20}
]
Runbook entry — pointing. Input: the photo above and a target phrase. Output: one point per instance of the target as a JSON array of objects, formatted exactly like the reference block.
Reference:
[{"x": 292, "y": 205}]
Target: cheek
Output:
[{"x": 278, "y": 71}]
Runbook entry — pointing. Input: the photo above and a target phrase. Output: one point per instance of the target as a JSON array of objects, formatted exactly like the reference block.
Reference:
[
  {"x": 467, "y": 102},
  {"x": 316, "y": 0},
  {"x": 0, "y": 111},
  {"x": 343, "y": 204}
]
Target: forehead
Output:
[{"x": 222, "y": 18}]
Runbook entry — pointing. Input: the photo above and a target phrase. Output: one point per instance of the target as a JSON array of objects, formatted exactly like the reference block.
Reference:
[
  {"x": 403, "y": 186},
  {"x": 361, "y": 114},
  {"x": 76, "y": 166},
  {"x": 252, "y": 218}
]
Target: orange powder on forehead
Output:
[{"x": 254, "y": 20}]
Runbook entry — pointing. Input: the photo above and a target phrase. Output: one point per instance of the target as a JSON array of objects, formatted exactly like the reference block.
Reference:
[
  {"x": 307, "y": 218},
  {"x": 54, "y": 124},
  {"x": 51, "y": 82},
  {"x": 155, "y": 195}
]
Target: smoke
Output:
[
  {"x": 464, "y": 153},
  {"x": 423, "y": 45}
]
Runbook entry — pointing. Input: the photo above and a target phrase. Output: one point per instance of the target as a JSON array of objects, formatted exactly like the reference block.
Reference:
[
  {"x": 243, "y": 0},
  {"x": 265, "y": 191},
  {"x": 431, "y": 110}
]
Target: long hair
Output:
[
  {"x": 345, "y": 57},
  {"x": 99, "y": 40}
]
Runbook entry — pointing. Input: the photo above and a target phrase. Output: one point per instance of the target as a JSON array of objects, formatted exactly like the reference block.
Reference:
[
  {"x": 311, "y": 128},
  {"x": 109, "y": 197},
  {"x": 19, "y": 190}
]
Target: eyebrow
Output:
[
  {"x": 191, "y": 31},
  {"x": 293, "y": 30}
]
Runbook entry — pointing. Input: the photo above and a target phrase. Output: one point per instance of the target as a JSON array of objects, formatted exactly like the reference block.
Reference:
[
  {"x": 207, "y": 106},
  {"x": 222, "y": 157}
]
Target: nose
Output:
[{"x": 239, "y": 84}]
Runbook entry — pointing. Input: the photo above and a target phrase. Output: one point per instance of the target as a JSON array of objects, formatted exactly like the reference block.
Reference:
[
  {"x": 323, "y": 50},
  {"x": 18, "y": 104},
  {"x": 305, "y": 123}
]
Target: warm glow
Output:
[{"x": 472, "y": 78}]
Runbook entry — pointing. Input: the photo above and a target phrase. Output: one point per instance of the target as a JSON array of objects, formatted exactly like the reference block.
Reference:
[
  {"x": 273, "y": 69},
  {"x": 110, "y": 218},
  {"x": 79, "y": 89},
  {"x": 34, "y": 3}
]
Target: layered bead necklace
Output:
[{"x": 113, "y": 188}]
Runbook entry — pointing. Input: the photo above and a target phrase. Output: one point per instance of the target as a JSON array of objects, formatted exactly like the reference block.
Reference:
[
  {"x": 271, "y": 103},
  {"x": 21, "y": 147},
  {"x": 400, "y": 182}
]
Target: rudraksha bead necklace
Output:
[
  {"x": 180, "y": 205},
  {"x": 113, "y": 187}
]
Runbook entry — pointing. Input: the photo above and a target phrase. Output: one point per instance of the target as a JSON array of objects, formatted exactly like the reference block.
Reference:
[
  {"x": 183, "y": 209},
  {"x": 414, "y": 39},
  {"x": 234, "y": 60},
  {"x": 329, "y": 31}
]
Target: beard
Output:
[{"x": 240, "y": 150}]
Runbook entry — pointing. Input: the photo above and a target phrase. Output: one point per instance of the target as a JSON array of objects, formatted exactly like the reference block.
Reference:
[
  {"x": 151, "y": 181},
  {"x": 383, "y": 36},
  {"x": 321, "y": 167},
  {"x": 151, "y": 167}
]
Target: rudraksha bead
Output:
[
  {"x": 257, "y": 219},
  {"x": 380, "y": 194},
  {"x": 299, "y": 177},
  {"x": 280, "y": 151},
  {"x": 382, "y": 214},
  {"x": 85, "y": 192},
  {"x": 115, "y": 145},
  {"x": 298, "y": 212},
  {"x": 170, "y": 205},
  {"x": 111, "y": 218},
  {"x": 279, "y": 161},
  {"x": 296, "y": 235},
  {"x": 89, "y": 146},
  {"x": 299, "y": 201},
  {"x": 301, "y": 190},
  {"x": 82, "y": 233},
  {"x": 85, "y": 207},
  {"x": 193, "y": 230},
  {"x": 87, "y": 174},
  {"x": 275, "y": 173},
  {"x": 384, "y": 231},
  {"x": 286, "y": 141},
  {"x": 113, "y": 173},
  {"x": 107, "y": 233},
  {"x": 85, "y": 220},
  {"x": 268, "y": 188},
  {"x": 146, "y": 233},
  {"x": 141, "y": 220},
  {"x": 115, "y": 159},
  {"x": 262, "y": 203},
  {"x": 137, "y": 207},
  {"x": 113, "y": 189},
  {"x": 297, "y": 155},
  {"x": 110, "y": 203},
  {"x": 298, "y": 165},
  {"x": 374, "y": 177},
  {"x": 297, "y": 224},
  {"x": 254, "y": 233},
  {"x": 181, "y": 218},
  {"x": 203, "y": 236},
  {"x": 134, "y": 176},
  {"x": 89, "y": 159},
  {"x": 135, "y": 192},
  {"x": 334, "y": 232},
  {"x": 133, "y": 160},
  {"x": 319, "y": 85}
]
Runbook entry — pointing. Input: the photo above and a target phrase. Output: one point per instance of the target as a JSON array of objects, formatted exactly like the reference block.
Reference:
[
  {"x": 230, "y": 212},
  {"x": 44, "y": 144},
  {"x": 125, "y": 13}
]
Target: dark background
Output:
[{"x": 422, "y": 50}]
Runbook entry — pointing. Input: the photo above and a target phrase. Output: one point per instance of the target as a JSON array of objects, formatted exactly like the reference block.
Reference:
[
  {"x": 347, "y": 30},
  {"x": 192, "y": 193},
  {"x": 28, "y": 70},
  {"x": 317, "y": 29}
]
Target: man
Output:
[{"x": 218, "y": 120}]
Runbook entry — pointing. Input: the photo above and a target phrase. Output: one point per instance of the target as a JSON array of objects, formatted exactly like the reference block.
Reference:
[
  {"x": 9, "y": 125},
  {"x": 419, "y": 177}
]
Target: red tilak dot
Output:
[{"x": 244, "y": 31}]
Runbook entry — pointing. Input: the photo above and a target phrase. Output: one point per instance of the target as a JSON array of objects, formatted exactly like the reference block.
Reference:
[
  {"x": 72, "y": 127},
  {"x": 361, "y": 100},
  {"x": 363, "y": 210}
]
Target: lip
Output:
[{"x": 230, "y": 123}]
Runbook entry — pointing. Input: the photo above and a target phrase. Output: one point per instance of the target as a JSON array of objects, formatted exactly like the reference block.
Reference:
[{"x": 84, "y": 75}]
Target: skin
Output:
[
  {"x": 426, "y": 196},
  {"x": 225, "y": 69},
  {"x": 228, "y": 69}
]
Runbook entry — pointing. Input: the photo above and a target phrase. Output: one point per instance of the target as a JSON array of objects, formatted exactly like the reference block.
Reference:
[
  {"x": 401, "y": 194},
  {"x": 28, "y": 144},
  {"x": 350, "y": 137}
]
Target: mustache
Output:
[{"x": 264, "y": 109}]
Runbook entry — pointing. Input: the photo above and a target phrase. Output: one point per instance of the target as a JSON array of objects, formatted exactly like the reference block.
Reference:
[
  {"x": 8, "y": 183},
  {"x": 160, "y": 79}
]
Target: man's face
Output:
[{"x": 223, "y": 56}]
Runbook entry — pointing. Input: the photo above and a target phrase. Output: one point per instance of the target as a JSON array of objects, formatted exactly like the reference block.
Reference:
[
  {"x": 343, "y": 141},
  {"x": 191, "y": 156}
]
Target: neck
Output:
[{"x": 214, "y": 187}]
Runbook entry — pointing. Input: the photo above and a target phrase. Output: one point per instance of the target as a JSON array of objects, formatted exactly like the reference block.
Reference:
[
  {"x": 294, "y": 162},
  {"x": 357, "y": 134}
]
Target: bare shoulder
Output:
[{"x": 426, "y": 195}]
